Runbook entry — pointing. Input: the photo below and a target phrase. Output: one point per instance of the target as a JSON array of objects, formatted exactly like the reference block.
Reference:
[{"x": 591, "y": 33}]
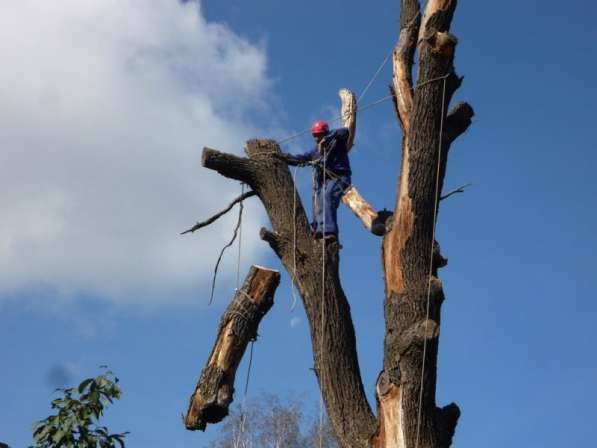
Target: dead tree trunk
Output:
[
  {"x": 408, "y": 416},
  {"x": 332, "y": 331},
  {"x": 215, "y": 388}
]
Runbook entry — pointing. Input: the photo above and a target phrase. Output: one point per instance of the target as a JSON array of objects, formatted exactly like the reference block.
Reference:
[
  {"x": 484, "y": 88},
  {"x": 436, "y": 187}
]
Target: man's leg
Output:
[
  {"x": 334, "y": 189},
  {"x": 317, "y": 223}
]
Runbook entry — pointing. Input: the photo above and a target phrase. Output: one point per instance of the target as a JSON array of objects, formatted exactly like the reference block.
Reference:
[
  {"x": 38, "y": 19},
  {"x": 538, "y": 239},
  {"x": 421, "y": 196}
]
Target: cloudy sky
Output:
[{"x": 105, "y": 106}]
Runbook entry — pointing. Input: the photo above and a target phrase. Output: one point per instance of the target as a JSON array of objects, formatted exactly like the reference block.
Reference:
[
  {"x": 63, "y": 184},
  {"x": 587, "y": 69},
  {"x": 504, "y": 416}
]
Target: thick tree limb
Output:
[
  {"x": 411, "y": 255},
  {"x": 458, "y": 121},
  {"x": 402, "y": 87},
  {"x": 348, "y": 112},
  {"x": 238, "y": 325},
  {"x": 334, "y": 343},
  {"x": 218, "y": 215},
  {"x": 228, "y": 165}
]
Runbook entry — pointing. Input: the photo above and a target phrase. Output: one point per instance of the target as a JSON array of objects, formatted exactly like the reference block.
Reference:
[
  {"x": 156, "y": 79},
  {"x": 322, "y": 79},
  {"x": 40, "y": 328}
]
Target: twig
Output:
[
  {"x": 454, "y": 191},
  {"x": 207, "y": 222},
  {"x": 240, "y": 219}
]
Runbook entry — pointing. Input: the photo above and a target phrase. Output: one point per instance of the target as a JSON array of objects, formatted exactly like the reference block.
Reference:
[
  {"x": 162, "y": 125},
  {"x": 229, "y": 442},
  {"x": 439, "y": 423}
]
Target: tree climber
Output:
[{"x": 331, "y": 176}]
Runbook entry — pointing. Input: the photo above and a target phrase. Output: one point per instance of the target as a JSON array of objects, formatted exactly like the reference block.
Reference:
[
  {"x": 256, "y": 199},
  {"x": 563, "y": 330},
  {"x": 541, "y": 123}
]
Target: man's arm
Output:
[
  {"x": 299, "y": 159},
  {"x": 342, "y": 133}
]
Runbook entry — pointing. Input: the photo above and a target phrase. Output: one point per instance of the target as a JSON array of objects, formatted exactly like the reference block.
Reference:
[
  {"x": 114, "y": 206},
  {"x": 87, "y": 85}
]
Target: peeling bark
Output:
[
  {"x": 238, "y": 325},
  {"x": 408, "y": 415}
]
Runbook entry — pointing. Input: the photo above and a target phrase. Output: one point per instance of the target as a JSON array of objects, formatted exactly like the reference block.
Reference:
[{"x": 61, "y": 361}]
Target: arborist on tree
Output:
[{"x": 331, "y": 176}]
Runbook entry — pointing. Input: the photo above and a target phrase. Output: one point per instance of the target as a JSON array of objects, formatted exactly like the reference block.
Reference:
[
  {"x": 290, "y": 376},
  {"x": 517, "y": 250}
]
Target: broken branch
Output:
[
  {"x": 458, "y": 120},
  {"x": 218, "y": 215},
  {"x": 410, "y": 19}
]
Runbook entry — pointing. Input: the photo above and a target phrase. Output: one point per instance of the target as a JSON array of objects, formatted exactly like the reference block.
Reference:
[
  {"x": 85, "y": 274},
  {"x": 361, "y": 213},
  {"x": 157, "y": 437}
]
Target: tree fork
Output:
[
  {"x": 408, "y": 415},
  {"x": 238, "y": 325},
  {"x": 334, "y": 342}
]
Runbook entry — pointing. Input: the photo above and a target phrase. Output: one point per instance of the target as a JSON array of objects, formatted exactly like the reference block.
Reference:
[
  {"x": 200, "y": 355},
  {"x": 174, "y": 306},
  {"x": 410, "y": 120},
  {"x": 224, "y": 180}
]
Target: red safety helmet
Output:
[{"x": 319, "y": 127}]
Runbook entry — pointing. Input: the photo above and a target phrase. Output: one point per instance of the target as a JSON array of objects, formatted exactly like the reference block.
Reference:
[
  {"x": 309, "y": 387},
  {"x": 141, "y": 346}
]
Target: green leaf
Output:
[{"x": 84, "y": 384}]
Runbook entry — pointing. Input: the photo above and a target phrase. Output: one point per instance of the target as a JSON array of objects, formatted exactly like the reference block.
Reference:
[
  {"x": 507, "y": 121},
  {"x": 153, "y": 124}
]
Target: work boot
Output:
[{"x": 330, "y": 238}]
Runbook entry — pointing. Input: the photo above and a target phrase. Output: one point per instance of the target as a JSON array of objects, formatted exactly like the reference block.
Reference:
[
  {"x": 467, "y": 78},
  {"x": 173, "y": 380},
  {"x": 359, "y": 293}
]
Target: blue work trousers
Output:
[{"x": 326, "y": 199}]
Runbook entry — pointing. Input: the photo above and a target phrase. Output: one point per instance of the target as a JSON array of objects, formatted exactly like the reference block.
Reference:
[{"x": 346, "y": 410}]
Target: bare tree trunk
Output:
[
  {"x": 215, "y": 388},
  {"x": 405, "y": 389},
  {"x": 408, "y": 416},
  {"x": 332, "y": 331}
]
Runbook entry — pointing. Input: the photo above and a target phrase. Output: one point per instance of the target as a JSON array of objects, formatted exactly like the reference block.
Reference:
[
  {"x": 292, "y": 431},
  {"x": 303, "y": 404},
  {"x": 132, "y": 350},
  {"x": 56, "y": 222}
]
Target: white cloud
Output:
[{"x": 104, "y": 108}]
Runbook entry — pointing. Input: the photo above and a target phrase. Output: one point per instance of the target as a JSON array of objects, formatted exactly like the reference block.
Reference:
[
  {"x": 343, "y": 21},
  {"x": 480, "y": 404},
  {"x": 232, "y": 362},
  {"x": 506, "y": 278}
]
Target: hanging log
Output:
[{"x": 238, "y": 326}]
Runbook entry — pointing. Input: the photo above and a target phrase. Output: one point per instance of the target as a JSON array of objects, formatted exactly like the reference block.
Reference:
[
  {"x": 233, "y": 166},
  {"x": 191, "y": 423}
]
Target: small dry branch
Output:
[
  {"x": 454, "y": 191},
  {"x": 218, "y": 215}
]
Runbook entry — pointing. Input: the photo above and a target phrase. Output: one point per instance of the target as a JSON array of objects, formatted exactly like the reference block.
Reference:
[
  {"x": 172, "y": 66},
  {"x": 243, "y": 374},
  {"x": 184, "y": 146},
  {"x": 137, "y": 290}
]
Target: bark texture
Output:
[
  {"x": 238, "y": 325},
  {"x": 312, "y": 264},
  {"x": 408, "y": 414}
]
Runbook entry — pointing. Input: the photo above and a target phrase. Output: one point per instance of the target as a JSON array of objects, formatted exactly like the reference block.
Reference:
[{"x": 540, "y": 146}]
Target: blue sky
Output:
[{"x": 101, "y": 170}]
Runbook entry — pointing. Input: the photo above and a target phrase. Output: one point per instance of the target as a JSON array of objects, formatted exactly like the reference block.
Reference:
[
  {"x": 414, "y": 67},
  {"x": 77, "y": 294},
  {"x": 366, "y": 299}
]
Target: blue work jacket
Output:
[{"x": 336, "y": 156}]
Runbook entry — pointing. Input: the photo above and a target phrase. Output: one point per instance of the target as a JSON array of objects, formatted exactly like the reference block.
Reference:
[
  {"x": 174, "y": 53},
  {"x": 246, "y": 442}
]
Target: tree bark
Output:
[
  {"x": 408, "y": 415},
  {"x": 311, "y": 263},
  {"x": 238, "y": 325}
]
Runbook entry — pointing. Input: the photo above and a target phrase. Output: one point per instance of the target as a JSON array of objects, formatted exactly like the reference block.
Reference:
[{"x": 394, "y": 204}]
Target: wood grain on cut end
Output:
[
  {"x": 359, "y": 206},
  {"x": 433, "y": 7}
]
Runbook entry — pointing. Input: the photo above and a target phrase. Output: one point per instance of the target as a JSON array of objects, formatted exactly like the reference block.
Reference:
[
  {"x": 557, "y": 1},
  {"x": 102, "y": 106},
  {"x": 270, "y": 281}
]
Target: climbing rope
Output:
[
  {"x": 435, "y": 205},
  {"x": 322, "y": 336},
  {"x": 247, "y": 378},
  {"x": 240, "y": 239},
  {"x": 330, "y": 120},
  {"x": 238, "y": 265},
  {"x": 292, "y": 287},
  {"x": 374, "y": 77},
  {"x": 360, "y": 98}
]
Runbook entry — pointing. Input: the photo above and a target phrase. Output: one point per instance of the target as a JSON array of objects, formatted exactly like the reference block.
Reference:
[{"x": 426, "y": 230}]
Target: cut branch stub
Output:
[
  {"x": 238, "y": 325},
  {"x": 373, "y": 221},
  {"x": 348, "y": 112}
]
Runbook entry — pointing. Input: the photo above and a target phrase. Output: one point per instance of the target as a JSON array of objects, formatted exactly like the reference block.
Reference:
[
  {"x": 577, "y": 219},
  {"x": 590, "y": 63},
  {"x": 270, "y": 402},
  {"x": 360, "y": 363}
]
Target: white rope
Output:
[
  {"x": 292, "y": 283},
  {"x": 436, "y": 200},
  {"x": 383, "y": 64},
  {"x": 238, "y": 262},
  {"x": 323, "y": 253},
  {"x": 361, "y": 96},
  {"x": 240, "y": 239}
]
